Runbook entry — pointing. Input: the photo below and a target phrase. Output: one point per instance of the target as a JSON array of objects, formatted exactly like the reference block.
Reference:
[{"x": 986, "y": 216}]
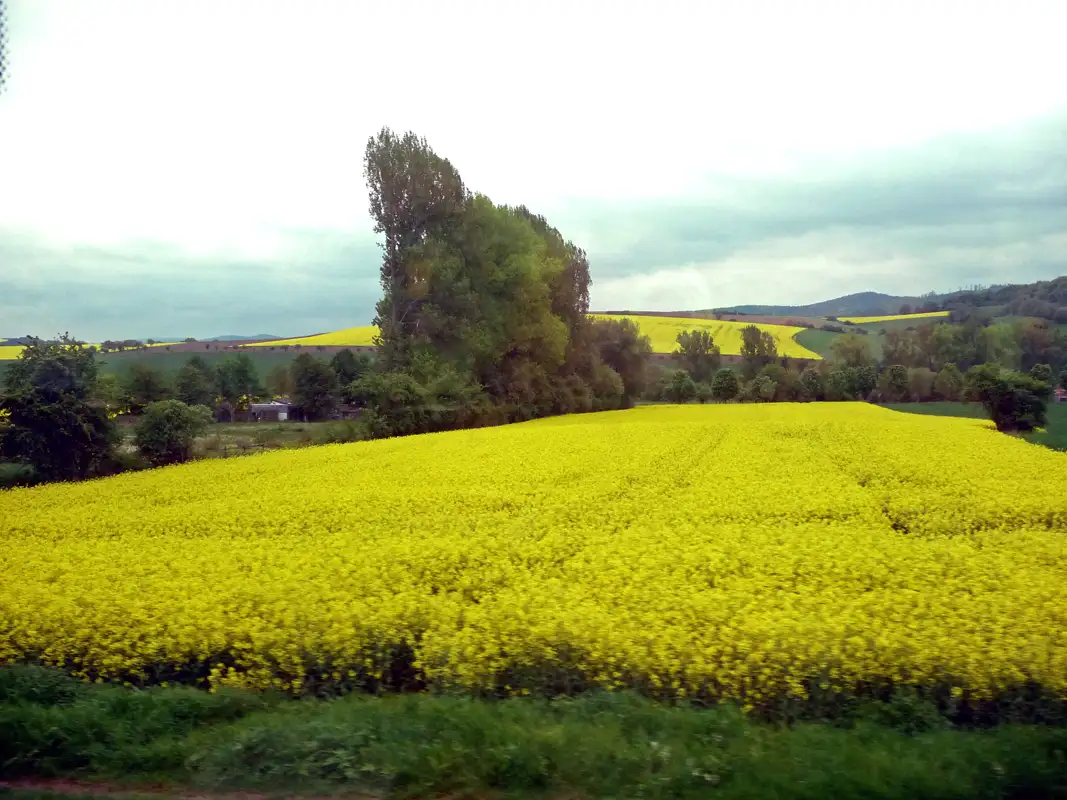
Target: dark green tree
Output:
[
  {"x": 316, "y": 391},
  {"x": 725, "y": 386},
  {"x": 413, "y": 194},
  {"x": 758, "y": 349},
  {"x": 949, "y": 383},
  {"x": 349, "y": 367},
  {"x": 1042, "y": 373},
  {"x": 280, "y": 381},
  {"x": 895, "y": 383},
  {"x": 841, "y": 384},
  {"x": 865, "y": 380},
  {"x": 237, "y": 381},
  {"x": 812, "y": 384},
  {"x": 621, "y": 345},
  {"x": 698, "y": 354},
  {"x": 144, "y": 384},
  {"x": 763, "y": 389},
  {"x": 53, "y": 423},
  {"x": 1014, "y": 400},
  {"x": 681, "y": 388},
  {"x": 853, "y": 350},
  {"x": 194, "y": 384},
  {"x": 168, "y": 429}
]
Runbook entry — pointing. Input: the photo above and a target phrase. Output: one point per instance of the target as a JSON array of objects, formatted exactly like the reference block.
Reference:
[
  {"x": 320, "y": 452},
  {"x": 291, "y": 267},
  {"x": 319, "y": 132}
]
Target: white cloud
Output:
[{"x": 217, "y": 127}]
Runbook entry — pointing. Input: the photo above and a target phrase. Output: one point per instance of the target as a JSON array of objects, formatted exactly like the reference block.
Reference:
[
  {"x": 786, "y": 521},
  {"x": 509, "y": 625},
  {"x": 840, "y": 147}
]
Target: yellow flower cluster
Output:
[
  {"x": 893, "y": 317},
  {"x": 730, "y": 551},
  {"x": 663, "y": 331}
]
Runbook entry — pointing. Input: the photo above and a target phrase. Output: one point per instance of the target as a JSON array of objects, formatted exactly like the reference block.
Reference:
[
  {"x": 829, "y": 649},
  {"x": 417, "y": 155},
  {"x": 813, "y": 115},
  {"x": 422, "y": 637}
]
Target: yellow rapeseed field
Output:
[
  {"x": 9, "y": 352},
  {"x": 360, "y": 336},
  {"x": 663, "y": 331},
  {"x": 893, "y": 317},
  {"x": 726, "y": 551}
]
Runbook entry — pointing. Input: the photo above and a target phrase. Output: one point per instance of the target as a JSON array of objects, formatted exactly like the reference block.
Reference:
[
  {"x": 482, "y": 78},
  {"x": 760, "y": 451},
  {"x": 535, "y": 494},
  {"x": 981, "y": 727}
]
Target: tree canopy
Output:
[{"x": 484, "y": 303}]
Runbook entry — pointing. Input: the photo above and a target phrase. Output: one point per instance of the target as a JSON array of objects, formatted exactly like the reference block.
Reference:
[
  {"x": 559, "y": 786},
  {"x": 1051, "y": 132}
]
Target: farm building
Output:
[
  {"x": 1060, "y": 395},
  {"x": 274, "y": 411}
]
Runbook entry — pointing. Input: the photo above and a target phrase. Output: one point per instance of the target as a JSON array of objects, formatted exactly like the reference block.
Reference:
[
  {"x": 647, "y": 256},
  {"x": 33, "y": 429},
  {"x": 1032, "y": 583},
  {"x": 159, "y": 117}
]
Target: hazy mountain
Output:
[{"x": 862, "y": 304}]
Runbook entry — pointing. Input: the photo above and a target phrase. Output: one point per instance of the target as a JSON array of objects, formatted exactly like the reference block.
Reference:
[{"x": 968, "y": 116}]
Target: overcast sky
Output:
[{"x": 193, "y": 168}]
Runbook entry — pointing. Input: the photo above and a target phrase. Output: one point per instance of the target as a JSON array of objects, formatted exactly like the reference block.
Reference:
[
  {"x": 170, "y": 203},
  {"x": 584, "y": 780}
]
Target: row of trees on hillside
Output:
[{"x": 1044, "y": 299}]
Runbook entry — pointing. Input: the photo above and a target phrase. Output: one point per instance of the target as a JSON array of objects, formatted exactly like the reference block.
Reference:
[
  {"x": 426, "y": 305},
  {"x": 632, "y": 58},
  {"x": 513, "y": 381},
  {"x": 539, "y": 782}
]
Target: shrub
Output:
[
  {"x": 949, "y": 383},
  {"x": 761, "y": 389},
  {"x": 12, "y": 475},
  {"x": 812, "y": 384},
  {"x": 921, "y": 384},
  {"x": 725, "y": 386},
  {"x": 167, "y": 430},
  {"x": 1042, "y": 373},
  {"x": 681, "y": 388},
  {"x": 895, "y": 383},
  {"x": 704, "y": 392},
  {"x": 1015, "y": 401}
]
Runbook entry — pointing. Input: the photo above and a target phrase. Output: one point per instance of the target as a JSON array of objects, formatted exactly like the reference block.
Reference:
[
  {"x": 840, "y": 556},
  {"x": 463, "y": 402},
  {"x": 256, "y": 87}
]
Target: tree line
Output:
[
  {"x": 1011, "y": 369},
  {"x": 59, "y": 412}
]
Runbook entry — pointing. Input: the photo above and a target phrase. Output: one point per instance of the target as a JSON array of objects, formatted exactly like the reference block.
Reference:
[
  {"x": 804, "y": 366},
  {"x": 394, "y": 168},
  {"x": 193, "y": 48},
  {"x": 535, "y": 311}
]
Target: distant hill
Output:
[
  {"x": 233, "y": 338},
  {"x": 862, "y": 304},
  {"x": 873, "y": 304}
]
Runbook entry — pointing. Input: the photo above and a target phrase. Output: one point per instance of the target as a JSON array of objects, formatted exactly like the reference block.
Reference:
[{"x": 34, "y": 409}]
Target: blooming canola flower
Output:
[{"x": 729, "y": 551}]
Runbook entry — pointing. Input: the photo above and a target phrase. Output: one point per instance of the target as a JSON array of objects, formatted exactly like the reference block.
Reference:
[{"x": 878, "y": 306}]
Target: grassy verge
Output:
[
  {"x": 596, "y": 745},
  {"x": 1054, "y": 436}
]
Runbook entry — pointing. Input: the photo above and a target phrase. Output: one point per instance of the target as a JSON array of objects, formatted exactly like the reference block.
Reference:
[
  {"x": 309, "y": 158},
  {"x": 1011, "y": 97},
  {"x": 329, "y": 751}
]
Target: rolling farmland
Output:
[
  {"x": 733, "y": 552},
  {"x": 361, "y": 336},
  {"x": 895, "y": 318},
  {"x": 727, "y": 334}
]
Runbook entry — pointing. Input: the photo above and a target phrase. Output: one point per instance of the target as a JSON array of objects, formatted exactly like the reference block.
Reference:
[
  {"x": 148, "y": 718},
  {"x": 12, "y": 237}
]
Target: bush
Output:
[
  {"x": 1015, "y": 401},
  {"x": 681, "y": 388},
  {"x": 949, "y": 383},
  {"x": 812, "y": 385},
  {"x": 341, "y": 433},
  {"x": 1042, "y": 373},
  {"x": 704, "y": 392},
  {"x": 921, "y": 384},
  {"x": 12, "y": 475},
  {"x": 167, "y": 430},
  {"x": 725, "y": 386}
]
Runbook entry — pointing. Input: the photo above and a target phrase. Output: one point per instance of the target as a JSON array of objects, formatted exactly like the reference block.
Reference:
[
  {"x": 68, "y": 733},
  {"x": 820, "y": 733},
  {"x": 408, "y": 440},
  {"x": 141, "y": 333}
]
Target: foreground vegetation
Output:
[
  {"x": 597, "y": 745},
  {"x": 774, "y": 555}
]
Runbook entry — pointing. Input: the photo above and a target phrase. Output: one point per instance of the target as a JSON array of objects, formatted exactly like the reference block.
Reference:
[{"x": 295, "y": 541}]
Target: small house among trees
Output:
[{"x": 274, "y": 411}]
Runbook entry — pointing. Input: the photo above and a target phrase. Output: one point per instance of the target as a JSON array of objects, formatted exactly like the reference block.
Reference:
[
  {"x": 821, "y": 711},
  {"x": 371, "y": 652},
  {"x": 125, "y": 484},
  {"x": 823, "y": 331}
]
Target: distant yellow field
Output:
[
  {"x": 362, "y": 336},
  {"x": 893, "y": 317},
  {"x": 10, "y": 352},
  {"x": 663, "y": 332}
]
